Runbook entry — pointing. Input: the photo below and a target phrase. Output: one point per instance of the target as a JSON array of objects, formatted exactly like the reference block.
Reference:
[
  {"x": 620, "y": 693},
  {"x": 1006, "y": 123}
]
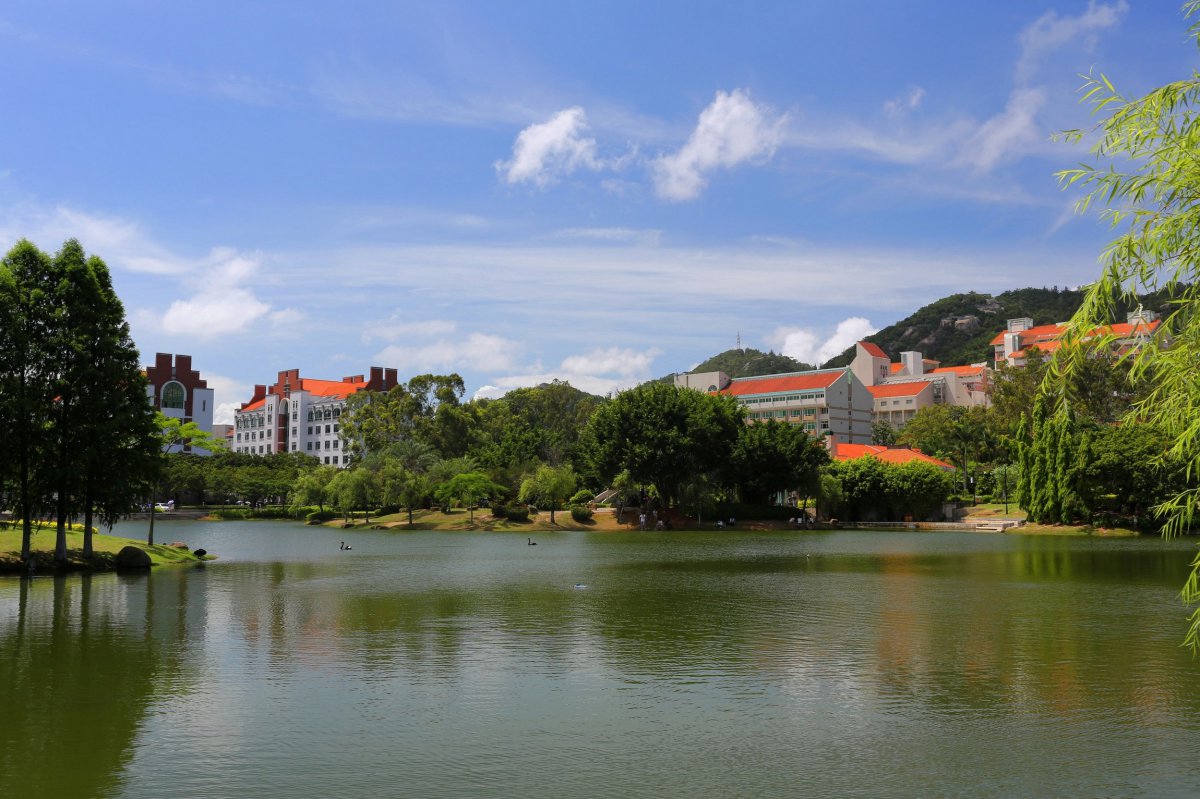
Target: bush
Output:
[
  {"x": 318, "y": 516},
  {"x": 230, "y": 513},
  {"x": 499, "y": 510},
  {"x": 743, "y": 511},
  {"x": 387, "y": 510},
  {"x": 582, "y": 497},
  {"x": 518, "y": 514},
  {"x": 581, "y": 513}
]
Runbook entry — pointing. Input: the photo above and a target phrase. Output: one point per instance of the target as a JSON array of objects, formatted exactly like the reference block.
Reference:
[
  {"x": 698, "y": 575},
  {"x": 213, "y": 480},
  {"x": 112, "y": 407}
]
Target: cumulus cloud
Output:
[
  {"x": 545, "y": 151},
  {"x": 228, "y": 395},
  {"x": 220, "y": 303},
  {"x": 600, "y": 371},
  {"x": 731, "y": 131},
  {"x": 808, "y": 346}
]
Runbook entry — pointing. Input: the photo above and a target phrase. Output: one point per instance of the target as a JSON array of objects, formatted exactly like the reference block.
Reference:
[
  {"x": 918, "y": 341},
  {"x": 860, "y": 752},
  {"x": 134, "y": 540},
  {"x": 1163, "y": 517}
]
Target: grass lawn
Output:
[
  {"x": 106, "y": 548},
  {"x": 986, "y": 510}
]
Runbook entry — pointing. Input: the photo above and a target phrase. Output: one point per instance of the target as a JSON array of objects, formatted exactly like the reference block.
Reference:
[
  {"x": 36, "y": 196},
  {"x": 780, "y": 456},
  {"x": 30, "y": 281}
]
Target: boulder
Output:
[{"x": 133, "y": 559}]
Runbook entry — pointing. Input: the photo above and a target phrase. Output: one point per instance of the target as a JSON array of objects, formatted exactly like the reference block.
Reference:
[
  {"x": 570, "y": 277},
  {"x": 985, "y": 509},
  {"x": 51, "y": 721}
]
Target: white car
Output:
[{"x": 161, "y": 507}]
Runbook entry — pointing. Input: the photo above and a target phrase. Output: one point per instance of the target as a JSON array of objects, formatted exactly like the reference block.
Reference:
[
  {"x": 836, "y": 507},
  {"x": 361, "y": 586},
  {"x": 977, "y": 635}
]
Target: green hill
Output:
[
  {"x": 957, "y": 329},
  {"x": 751, "y": 362}
]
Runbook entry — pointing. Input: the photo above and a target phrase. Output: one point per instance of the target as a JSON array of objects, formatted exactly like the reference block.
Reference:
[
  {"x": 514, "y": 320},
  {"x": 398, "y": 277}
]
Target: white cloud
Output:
[
  {"x": 228, "y": 394},
  {"x": 616, "y": 235},
  {"x": 1050, "y": 32},
  {"x": 548, "y": 150},
  {"x": 1008, "y": 134},
  {"x": 479, "y": 351},
  {"x": 805, "y": 345},
  {"x": 909, "y": 101},
  {"x": 731, "y": 131},
  {"x": 600, "y": 371},
  {"x": 397, "y": 327}
]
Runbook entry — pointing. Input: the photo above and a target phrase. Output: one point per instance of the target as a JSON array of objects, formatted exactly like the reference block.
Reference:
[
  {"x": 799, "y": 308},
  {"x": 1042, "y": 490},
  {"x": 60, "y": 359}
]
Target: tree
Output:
[
  {"x": 25, "y": 375},
  {"x": 1149, "y": 186},
  {"x": 312, "y": 488},
  {"x": 467, "y": 488},
  {"x": 662, "y": 435},
  {"x": 771, "y": 457},
  {"x": 548, "y": 487},
  {"x": 882, "y": 434},
  {"x": 173, "y": 436}
]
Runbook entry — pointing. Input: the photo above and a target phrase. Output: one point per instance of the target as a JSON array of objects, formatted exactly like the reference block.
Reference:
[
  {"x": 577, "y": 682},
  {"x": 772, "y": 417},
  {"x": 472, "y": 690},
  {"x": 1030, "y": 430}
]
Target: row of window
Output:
[
  {"x": 336, "y": 444},
  {"x": 812, "y": 395},
  {"x": 895, "y": 402},
  {"x": 255, "y": 436},
  {"x": 795, "y": 412},
  {"x": 317, "y": 415}
]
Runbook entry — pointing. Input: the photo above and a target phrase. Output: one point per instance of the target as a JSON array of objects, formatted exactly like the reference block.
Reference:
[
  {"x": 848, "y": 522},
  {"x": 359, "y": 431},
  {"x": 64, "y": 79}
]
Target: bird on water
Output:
[{"x": 531, "y": 542}]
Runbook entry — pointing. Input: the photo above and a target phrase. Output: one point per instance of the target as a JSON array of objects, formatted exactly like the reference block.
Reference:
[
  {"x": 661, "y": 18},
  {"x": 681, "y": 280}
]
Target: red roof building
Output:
[
  {"x": 897, "y": 455},
  {"x": 302, "y": 414},
  {"x": 1014, "y": 344}
]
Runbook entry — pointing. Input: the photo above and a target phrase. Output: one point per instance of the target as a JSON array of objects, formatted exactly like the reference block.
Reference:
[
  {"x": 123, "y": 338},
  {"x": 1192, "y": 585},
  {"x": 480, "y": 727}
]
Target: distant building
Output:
[
  {"x": 178, "y": 392},
  {"x": 302, "y": 414},
  {"x": 822, "y": 401},
  {"x": 225, "y": 433},
  {"x": 900, "y": 389},
  {"x": 1012, "y": 345}
]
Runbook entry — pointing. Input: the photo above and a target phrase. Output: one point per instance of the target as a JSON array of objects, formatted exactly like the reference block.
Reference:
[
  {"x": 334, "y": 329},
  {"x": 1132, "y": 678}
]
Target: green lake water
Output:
[{"x": 843, "y": 664}]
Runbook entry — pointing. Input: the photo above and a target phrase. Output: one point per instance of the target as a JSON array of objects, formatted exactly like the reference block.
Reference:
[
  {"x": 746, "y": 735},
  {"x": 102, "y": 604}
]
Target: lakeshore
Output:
[{"x": 105, "y": 548}]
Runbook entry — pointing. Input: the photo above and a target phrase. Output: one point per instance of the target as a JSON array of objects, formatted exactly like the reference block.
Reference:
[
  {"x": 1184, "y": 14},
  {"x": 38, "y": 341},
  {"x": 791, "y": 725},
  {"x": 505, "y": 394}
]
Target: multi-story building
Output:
[
  {"x": 178, "y": 392},
  {"x": 1012, "y": 345},
  {"x": 900, "y": 389},
  {"x": 822, "y": 401},
  {"x": 301, "y": 414}
]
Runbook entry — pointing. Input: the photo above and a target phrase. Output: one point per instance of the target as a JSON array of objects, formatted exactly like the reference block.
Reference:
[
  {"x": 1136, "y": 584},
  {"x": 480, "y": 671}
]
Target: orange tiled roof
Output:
[
  {"x": 897, "y": 455},
  {"x": 959, "y": 370},
  {"x": 899, "y": 389},
  {"x": 803, "y": 381},
  {"x": 331, "y": 388},
  {"x": 873, "y": 349},
  {"x": 254, "y": 406},
  {"x": 1048, "y": 332},
  {"x": 895, "y": 367}
]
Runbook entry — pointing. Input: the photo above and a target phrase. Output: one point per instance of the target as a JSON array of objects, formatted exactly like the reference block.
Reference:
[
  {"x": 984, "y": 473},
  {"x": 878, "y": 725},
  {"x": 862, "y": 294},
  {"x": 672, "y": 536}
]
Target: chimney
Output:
[
  {"x": 1020, "y": 324},
  {"x": 389, "y": 379},
  {"x": 914, "y": 364}
]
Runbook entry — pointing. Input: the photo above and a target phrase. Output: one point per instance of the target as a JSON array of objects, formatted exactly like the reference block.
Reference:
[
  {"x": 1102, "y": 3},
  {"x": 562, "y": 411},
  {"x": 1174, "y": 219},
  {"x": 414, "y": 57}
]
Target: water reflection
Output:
[{"x": 690, "y": 666}]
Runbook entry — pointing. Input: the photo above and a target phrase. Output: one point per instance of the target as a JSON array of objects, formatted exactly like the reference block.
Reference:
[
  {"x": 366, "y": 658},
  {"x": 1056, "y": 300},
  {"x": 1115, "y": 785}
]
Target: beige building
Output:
[
  {"x": 823, "y": 401},
  {"x": 1021, "y": 335},
  {"x": 900, "y": 389}
]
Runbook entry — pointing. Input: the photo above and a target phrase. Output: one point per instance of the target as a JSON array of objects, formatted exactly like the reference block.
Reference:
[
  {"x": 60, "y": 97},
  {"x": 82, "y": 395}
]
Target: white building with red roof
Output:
[
  {"x": 302, "y": 414},
  {"x": 896, "y": 455},
  {"x": 822, "y": 401},
  {"x": 900, "y": 389},
  {"x": 1013, "y": 344}
]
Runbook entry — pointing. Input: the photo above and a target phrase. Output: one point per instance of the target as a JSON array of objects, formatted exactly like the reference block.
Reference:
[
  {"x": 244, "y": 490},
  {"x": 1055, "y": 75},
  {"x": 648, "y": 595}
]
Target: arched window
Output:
[
  {"x": 328, "y": 414},
  {"x": 173, "y": 395},
  {"x": 337, "y": 412}
]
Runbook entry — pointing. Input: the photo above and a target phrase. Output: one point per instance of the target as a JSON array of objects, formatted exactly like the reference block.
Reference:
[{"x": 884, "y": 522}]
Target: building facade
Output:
[
  {"x": 302, "y": 414},
  {"x": 1012, "y": 345},
  {"x": 900, "y": 389},
  {"x": 822, "y": 401},
  {"x": 177, "y": 391}
]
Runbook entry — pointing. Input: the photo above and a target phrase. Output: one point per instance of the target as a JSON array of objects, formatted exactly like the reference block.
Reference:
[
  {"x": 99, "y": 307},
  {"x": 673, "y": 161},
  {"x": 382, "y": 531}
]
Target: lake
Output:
[{"x": 733, "y": 664}]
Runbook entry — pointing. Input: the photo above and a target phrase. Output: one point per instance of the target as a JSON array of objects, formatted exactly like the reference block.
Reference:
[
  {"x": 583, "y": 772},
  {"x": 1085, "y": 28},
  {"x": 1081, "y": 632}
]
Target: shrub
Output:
[
  {"x": 582, "y": 497},
  {"x": 580, "y": 513},
  {"x": 318, "y": 516},
  {"x": 518, "y": 514},
  {"x": 743, "y": 511},
  {"x": 499, "y": 510},
  {"x": 387, "y": 510},
  {"x": 230, "y": 513}
]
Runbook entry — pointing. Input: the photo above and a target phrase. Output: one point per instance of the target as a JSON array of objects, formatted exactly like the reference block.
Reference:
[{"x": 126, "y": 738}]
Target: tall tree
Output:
[
  {"x": 771, "y": 457},
  {"x": 548, "y": 487},
  {"x": 25, "y": 375},
  {"x": 1149, "y": 187}
]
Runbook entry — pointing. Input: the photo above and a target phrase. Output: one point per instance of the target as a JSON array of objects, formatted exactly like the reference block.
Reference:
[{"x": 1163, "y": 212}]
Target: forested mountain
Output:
[{"x": 957, "y": 329}]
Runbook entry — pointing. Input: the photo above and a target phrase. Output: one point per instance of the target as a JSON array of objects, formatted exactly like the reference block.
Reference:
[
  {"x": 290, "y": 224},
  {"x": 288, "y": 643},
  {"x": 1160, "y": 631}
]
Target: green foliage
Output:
[
  {"x": 750, "y": 511},
  {"x": 581, "y": 513},
  {"x": 1147, "y": 191},
  {"x": 582, "y": 497},
  {"x": 869, "y": 487},
  {"x": 548, "y": 487},
  {"x": 319, "y": 516},
  {"x": 771, "y": 457},
  {"x": 518, "y": 514},
  {"x": 663, "y": 435},
  {"x": 750, "y": 363}
]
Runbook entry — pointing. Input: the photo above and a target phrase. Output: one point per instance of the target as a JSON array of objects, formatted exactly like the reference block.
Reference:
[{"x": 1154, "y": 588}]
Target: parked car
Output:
[{"x": 162, "y": 507}]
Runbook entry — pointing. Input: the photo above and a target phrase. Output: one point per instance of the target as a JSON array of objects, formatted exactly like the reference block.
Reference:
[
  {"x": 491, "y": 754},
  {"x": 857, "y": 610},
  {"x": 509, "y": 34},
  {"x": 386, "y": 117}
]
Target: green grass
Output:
[{"x": 106, "y": 548}]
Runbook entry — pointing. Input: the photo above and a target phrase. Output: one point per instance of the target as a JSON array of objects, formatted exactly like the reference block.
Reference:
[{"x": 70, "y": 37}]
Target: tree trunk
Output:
[
  {"x": 87, "y": 520},
  {"x": 150, "y": 537},
  {"x": 60, "y": 512}
]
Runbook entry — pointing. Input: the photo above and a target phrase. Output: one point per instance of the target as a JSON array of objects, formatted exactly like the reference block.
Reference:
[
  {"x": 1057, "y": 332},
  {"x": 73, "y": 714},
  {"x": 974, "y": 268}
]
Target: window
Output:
[
  {"x": 326, "y": 426},
  {"x": 310, "y": 416},
  {"x": 203, "y": 405},
  {"x": 328, "y": 415},
  {"x": 335, "y": 443},
  {"x": 310, "y": 429},
  {"x": 173, "y": 395},
  {"x": 335, "y": 428},
  {"x": 337, "y": 412},
  {"x": 326, "y": 445},
  {"x": 268, "y": 434},
  {"x": 293, "y": 446},
  {"x": 260, "y": 449},
  {"x": 295, "y": 416},
  {"x": 345, "y": 459},
  {"x": 327, "y": 459},
  {"x": 309, "y": 446},
  {"x": 239, "y": 436}
]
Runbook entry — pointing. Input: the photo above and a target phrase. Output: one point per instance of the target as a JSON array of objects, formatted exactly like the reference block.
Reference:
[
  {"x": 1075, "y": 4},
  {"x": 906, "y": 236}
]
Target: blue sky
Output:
[{"x": 599, "y": 192}]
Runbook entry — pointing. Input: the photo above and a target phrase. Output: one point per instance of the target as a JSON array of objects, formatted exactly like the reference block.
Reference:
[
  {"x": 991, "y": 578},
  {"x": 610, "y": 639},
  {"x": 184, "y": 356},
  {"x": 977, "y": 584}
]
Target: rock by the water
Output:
[
  {"x": 133, "y": 559},
  {"x": 200, "y": 553},
  {"x": 178, "y": 545}
]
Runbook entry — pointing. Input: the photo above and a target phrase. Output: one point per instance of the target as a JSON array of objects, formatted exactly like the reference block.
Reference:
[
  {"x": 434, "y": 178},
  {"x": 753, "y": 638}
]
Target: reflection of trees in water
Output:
[{"x": 83, "y": 658}]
